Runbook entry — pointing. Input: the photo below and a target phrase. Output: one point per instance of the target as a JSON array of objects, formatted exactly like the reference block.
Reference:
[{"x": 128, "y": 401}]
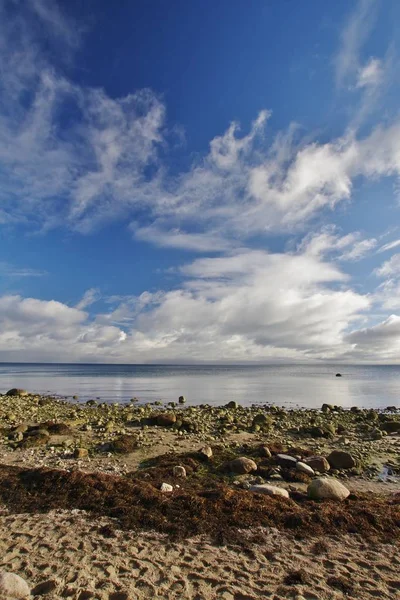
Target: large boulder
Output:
[
  {"x": 241, "y": 465},
  {"x": 13, "y": 587},
  {"x": 17, "y": 392},
  {"x": 269, "y": 490},
  {"x": 327, "y": 489},
  {"x": 318, "y": 463},
  {"x": 341, "y": 460}
]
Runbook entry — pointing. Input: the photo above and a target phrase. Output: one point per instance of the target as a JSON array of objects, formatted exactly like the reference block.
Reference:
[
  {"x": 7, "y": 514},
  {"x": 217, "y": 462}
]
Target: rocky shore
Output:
[{"x": 207, "y": 471}]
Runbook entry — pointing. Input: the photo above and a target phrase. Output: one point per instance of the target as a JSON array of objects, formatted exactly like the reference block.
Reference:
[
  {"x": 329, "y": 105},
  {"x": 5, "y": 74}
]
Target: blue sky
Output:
[{"x": 199, "y": 181}]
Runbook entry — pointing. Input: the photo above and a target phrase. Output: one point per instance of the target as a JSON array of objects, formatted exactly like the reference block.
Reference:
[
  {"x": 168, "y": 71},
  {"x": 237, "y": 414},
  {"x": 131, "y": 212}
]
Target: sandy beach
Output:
[{"x": 83, "y": 515}]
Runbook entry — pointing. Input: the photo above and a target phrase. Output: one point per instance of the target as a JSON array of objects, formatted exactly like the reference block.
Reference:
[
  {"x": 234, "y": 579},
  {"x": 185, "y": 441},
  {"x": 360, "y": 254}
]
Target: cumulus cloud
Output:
[
  {"x": 380, "y": 342},
  {"x": 246, "y": 305}
]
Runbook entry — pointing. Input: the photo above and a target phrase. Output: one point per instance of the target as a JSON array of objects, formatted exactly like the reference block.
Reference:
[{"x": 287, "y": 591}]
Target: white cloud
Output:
[
  {"x": 107, "y": 163},
  {"x": 8, "y": 270},
  {"x": 353, "y": 37},
  {"x": 389, "y": 246},
  {"x": 370, "y": 74},
  {"x": 390, "y": 268},
  {"x": 89, "y": 297},
  {"x": 247, "y": 305},
  {"x": 378, "y": 343},
  {"x": 359, "y": 250}
]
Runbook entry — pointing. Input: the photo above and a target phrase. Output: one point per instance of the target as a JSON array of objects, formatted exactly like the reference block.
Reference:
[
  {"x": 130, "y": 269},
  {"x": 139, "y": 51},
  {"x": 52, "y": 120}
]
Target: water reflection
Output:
[{"x": 292, "y": 386}]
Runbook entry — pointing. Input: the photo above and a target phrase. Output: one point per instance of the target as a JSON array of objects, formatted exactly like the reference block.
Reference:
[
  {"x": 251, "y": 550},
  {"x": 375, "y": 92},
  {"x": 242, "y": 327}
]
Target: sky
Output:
[{"x": 204, "y": 181}]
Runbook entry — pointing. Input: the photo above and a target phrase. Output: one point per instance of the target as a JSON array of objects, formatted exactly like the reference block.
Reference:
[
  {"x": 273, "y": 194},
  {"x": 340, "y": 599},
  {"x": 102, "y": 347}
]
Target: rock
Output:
[
  {"x": 166, "y": 419},
  {"x": 179, "y": 471},
  {"x": 327, "y": 408},
  {"x": 231, "y": 404},
  {"x": 318, "y": 463},
  {"x": 81, "y": 453},
  {"x": 45, "y": 587},
  {"x": 303, "y": 468},
  {"x": 166, "y": 487},
  {"x": 124, "y": 444},
  {"x": 265, "y": 452},
  {"x": 241, "y": 465},
  {"x": 262, "y": 419},
  {"x": 16, "y": 392},
  {"x": 206, "y": 451},
  {"x": 327, "y": 489},
  {"x": 338, "y": 374},
  {"x": 12, "y": 586},
  {"x": 37, "y": 438},
  {"x": 341, "y": 460},
  {"x": 284, "y": 460},
  {"x": 182, "y": 400},
  {"x": 91, "y": 403},
  {"x": 23, "y": 428},
  {"x": 391, "y": 426},
  {"x": 269, "y": 490}
]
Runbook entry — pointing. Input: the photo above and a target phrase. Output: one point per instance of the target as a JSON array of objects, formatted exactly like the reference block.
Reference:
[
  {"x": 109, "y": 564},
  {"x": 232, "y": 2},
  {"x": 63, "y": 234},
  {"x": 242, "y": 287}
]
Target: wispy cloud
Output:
[
  {"x": 9, "y": 270},
  {"x": 354, "y": 34},
  {"x": 89, "y": 297},
  {"x": 389, "y": 246}
]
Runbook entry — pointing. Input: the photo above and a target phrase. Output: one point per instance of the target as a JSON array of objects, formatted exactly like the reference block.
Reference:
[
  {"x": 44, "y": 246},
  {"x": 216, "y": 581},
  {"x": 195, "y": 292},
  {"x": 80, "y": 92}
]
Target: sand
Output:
[{"x": 85, "y": 562}]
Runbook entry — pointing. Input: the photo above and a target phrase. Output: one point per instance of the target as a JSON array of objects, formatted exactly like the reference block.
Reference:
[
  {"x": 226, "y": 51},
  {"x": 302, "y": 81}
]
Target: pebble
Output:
[
  {"x": 179, "y": 471},
  {"x": 303, "y": 468},
  {"x": 206, "y": 451},
  {"x": 317, "y": 463},
  {"x": 241, "y": 465},
  {"x": 286, "y": 461},
  {"x": 166, "y": 487},
  {"x": 12, "y": 586},
  {"x": 269, "y": 490}
]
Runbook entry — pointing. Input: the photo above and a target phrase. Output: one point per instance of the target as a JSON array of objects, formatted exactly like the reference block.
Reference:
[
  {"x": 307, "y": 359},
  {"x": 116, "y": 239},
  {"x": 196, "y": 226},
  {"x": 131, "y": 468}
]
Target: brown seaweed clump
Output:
[{"x": 218, "y": 510}]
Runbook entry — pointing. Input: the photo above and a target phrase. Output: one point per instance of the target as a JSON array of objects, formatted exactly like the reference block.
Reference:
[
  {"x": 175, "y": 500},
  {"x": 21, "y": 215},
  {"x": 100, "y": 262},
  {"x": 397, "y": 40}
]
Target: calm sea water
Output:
[{"x": 285, "y": 385}]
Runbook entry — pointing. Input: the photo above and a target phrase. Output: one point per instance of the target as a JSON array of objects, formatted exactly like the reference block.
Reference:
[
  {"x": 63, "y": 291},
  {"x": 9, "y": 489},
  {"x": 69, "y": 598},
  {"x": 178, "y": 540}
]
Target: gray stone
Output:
[
  {"x": 327, "y": 489},
  {"x": 12, "y": 586},
  {"x": 269, "y": 490},
  {"x": 284, "y": 460},
  {"x": 303, "y": 468}
]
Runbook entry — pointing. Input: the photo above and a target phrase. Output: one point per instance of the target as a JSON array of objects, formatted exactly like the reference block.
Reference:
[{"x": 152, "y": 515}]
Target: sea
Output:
[{"x": 291, "y": 386}]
